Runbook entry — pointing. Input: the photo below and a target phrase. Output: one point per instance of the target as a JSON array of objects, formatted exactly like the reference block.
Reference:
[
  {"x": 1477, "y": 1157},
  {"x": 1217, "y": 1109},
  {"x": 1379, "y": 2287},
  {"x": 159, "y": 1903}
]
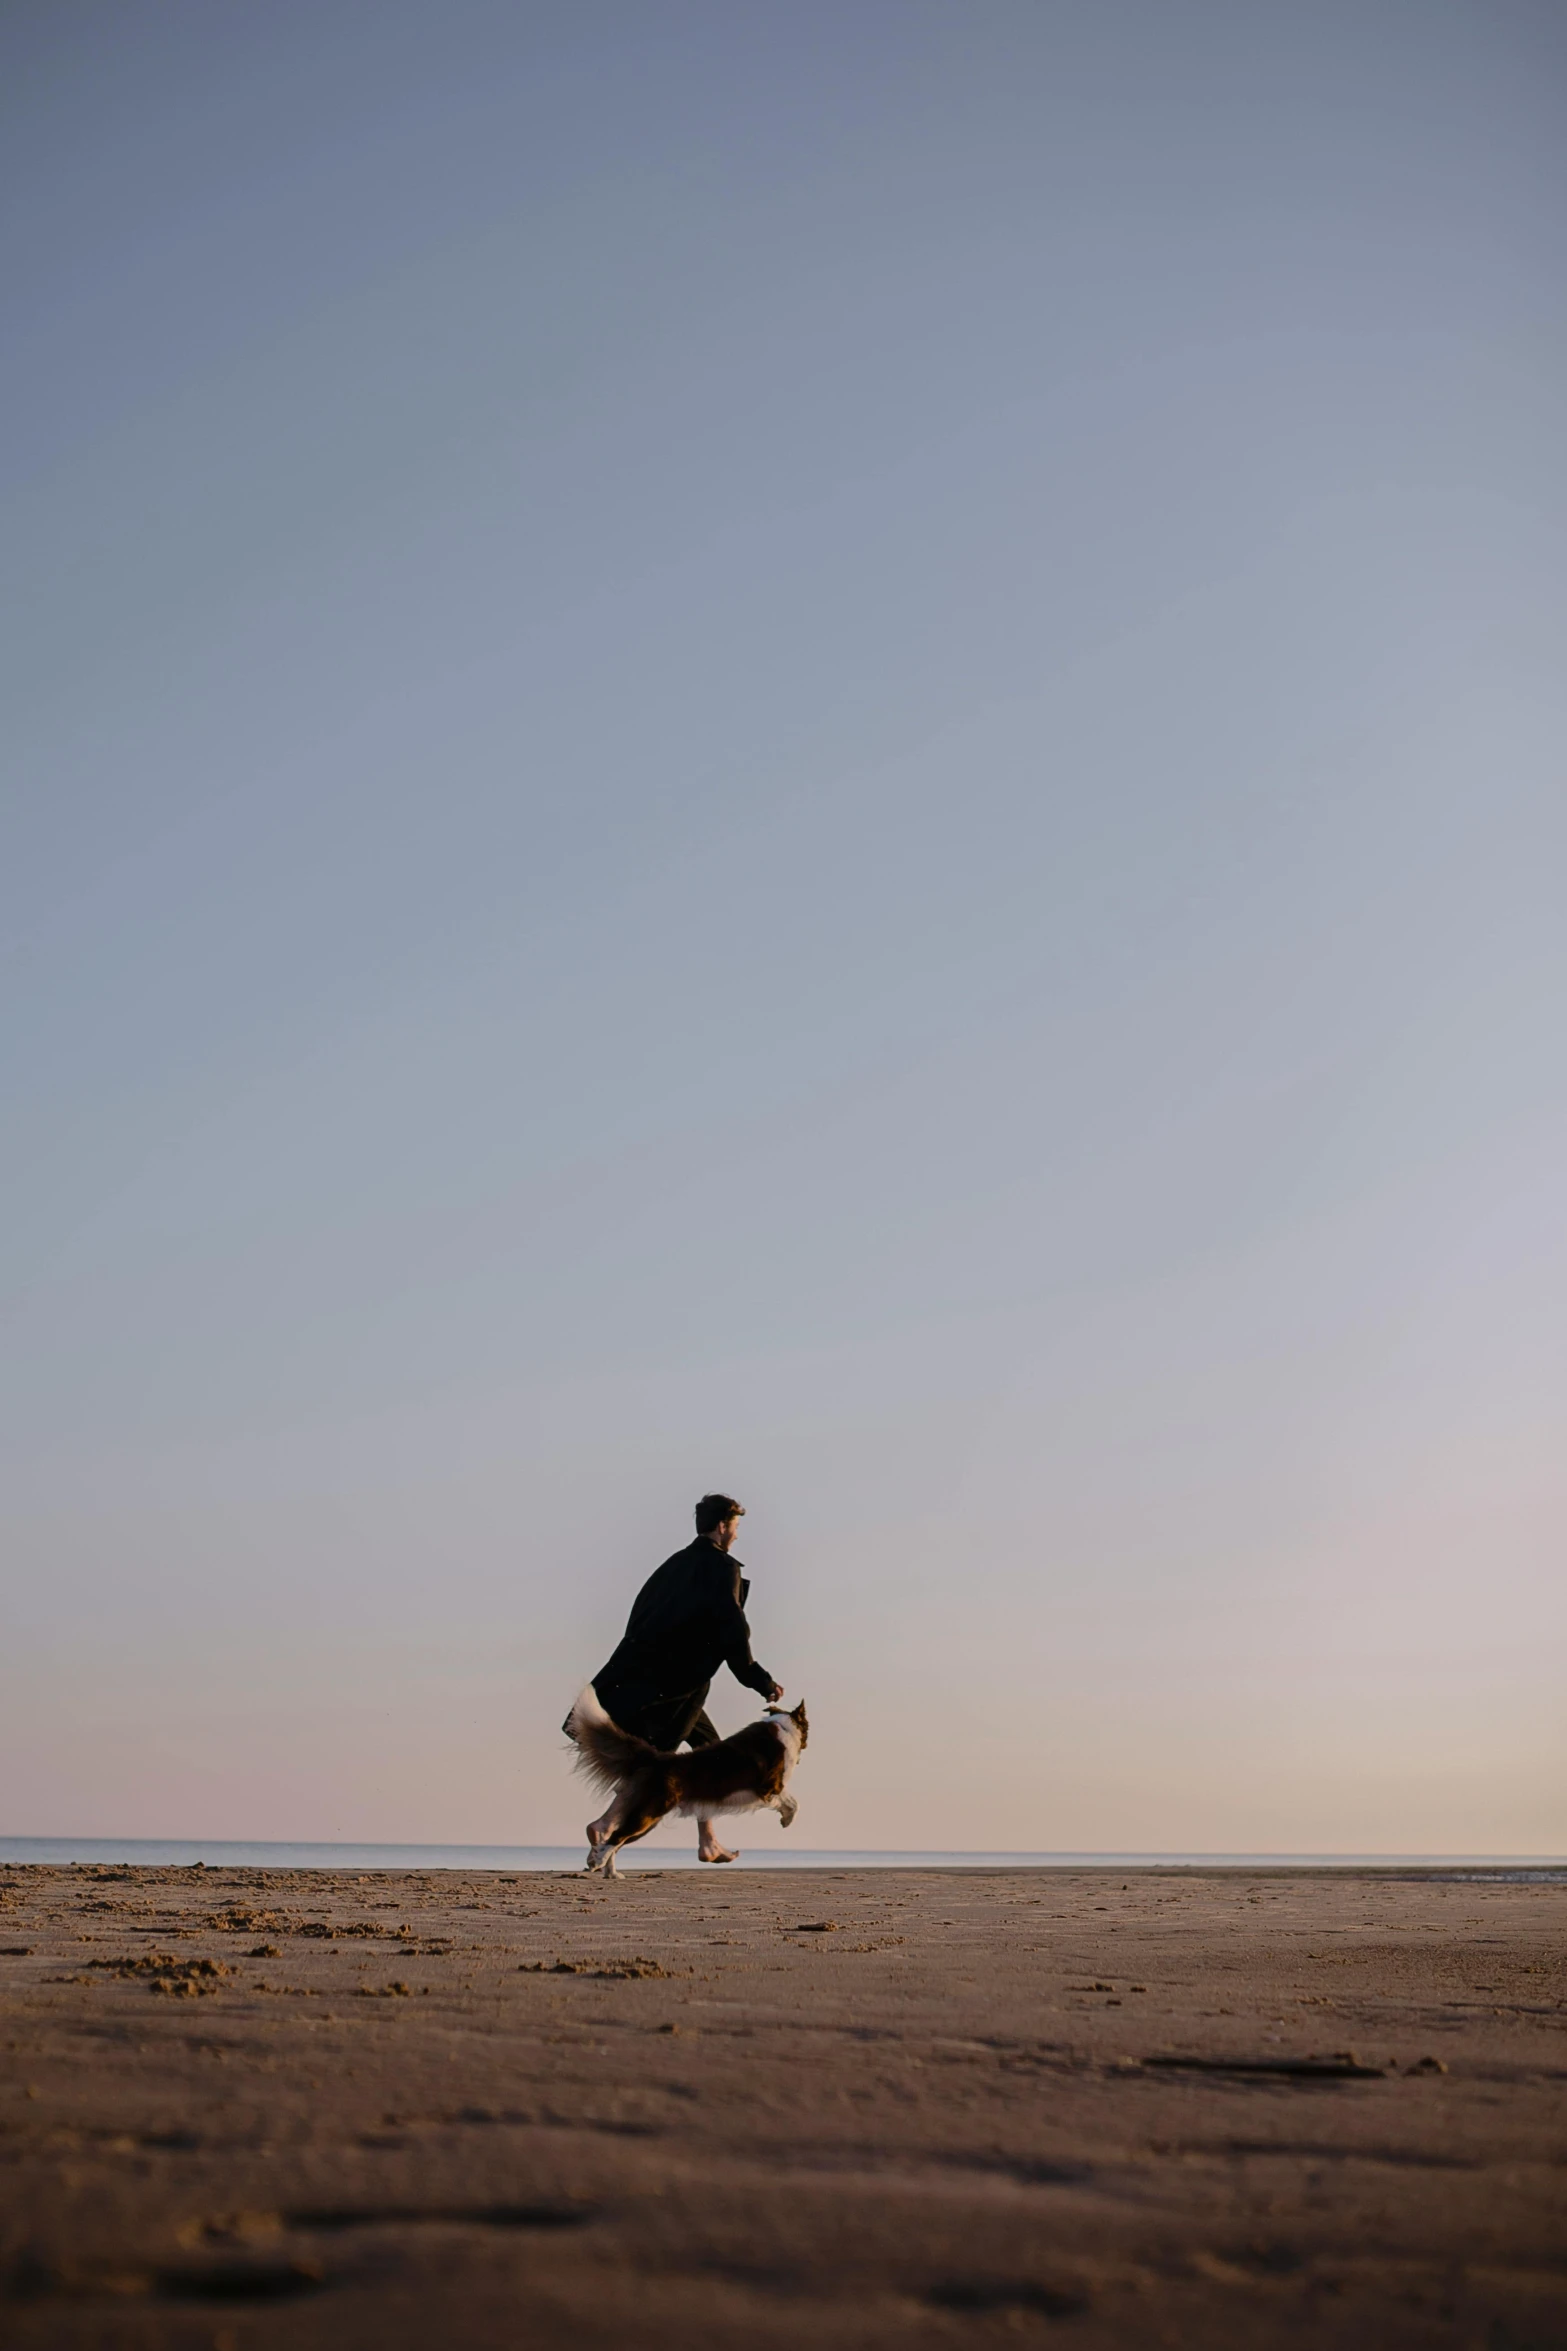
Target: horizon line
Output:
[{"x": 71, "y": 1849}]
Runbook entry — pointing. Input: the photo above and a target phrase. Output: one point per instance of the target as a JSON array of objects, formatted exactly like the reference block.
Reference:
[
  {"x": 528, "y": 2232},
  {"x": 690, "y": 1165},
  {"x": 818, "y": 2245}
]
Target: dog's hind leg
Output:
[
  {"x": 626, "y": 1831},
  {"x": 599, "y": 1833}
]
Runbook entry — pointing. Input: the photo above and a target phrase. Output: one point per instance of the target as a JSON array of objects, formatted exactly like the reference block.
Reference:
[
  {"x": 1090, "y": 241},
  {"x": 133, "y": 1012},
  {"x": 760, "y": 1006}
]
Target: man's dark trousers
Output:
[{"x": 665, "y": 1722}]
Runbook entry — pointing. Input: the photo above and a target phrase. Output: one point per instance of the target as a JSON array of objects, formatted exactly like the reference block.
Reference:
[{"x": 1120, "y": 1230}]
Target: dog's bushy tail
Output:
[{"x": 606, "y": 1754}]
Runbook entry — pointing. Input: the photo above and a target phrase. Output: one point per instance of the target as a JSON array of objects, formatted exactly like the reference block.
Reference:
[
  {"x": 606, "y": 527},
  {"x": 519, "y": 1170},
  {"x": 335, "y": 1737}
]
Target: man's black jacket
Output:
[{"x": 687, "y": 1621}]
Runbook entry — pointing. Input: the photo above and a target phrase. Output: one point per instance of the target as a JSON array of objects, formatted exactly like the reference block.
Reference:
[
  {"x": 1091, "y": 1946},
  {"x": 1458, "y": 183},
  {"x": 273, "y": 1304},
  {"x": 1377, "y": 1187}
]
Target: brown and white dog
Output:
[{"x": 741, "y": 1774}]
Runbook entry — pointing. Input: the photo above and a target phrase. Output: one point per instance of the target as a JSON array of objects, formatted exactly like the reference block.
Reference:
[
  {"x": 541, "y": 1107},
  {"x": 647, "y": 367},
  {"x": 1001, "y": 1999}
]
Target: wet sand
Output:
[{"x": 241, "y": 2109}]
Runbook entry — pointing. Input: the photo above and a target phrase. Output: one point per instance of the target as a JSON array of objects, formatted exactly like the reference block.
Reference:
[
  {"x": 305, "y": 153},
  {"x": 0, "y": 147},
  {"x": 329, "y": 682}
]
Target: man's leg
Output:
[{"x": 702, "y": 1734}]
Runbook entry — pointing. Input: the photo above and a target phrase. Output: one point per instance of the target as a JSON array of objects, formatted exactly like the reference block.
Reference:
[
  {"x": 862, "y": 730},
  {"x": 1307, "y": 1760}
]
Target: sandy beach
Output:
[{"x": 245, "y": 2108}]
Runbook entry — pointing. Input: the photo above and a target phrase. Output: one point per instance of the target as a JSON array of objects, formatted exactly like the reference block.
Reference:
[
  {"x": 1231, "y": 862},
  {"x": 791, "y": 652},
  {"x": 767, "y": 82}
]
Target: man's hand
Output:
[{"x": 774, "y": 1693}]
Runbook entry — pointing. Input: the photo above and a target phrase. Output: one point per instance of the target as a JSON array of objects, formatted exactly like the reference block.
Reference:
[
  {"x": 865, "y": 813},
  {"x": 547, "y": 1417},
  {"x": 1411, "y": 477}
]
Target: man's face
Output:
[{"x": 724, "y": 1535}]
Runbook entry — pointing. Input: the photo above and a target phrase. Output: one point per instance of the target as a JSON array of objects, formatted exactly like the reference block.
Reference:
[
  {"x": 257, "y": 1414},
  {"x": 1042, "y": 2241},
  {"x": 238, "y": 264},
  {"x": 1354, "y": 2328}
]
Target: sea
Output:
[{"x": 516, "y": 1860}]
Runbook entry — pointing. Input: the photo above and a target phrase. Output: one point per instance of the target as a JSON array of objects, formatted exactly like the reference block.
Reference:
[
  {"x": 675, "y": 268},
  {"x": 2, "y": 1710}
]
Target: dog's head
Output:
[{"x": 792, "y": 1715}]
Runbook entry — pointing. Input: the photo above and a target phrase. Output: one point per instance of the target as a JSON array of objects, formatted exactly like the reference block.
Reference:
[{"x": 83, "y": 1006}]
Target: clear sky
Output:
[{"x": 818, "y": 747}]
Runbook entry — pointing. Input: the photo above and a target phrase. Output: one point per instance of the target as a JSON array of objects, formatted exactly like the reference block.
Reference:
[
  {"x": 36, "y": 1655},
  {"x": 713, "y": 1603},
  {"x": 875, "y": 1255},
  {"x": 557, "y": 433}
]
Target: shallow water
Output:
[{"x": 189, "y": 1853}]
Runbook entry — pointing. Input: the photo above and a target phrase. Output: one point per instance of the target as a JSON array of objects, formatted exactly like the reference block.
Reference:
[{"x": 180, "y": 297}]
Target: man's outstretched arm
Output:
[{"x": 737, "y": 1642}]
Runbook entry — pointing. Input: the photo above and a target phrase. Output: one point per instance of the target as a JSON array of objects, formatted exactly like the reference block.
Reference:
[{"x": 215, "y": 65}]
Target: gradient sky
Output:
[{"x": 811, "y": 747}]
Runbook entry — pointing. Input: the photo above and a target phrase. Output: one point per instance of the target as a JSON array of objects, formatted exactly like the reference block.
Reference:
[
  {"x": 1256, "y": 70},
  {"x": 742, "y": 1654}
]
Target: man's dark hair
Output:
[{"x": 713, "y": 1509}]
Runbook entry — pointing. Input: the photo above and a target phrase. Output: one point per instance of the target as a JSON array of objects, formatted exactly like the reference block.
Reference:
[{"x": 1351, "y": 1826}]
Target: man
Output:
[{"x": 687, "y": 1621}]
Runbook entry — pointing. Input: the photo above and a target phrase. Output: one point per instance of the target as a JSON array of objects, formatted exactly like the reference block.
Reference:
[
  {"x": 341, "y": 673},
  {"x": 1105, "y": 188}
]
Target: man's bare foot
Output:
[{"x": 708, "y": 1848}]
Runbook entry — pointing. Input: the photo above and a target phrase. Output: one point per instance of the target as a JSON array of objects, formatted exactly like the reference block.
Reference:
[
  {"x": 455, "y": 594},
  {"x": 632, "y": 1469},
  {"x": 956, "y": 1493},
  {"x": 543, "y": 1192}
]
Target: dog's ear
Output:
[{"x": 797, "y": 1717}]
